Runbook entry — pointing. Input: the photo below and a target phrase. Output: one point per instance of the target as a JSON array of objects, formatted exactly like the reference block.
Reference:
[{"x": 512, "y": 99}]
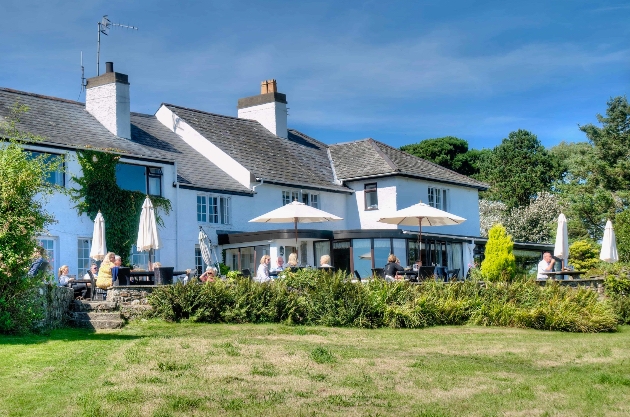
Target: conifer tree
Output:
[{"x": 499, "y": 263}]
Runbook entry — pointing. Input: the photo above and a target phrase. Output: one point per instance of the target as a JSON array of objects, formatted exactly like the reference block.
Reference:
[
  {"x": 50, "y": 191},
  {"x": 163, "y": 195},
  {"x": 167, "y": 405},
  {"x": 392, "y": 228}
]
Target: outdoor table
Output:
[
  {"x": 571, "y": 274},
  {"x": 408, "y": 275}
]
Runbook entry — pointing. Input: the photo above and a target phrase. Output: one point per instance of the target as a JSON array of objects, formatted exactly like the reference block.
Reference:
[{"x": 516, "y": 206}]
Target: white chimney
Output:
[
  {"x": 269, "y": 108},
  {"x": 107, "y": 99}
]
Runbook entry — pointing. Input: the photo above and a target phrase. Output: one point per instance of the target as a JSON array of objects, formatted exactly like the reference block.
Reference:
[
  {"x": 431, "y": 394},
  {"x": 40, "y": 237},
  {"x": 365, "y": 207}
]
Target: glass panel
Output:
[
  {"x": 83, "y": 256},
  {"x": 55, "y": 177},
  {"x": 155, "y": 185},
  {"x": 201, "y": 209},
  {"x": 321, "y": 248},
  {"x": 225, "y": 210},
  {"x": 231, "y": 259},
  {"x": 382, "y": 249},
  {"x": 260, "y": 251},
  {"x": 341, "y": 255},
  {"x": 457, "y": 256},
  {"x": 286, "y": 198},
  {"x": 315, "y": 200},
  {"x": 131, "y": 177},
  {"x": 371, "y": 197},
  {"x": 305, "y": 198},
  {"x": 362, "y": 257},
  {"x": 400, "y": 250},
  {"x": 213, "y": 210},
  {"x": 49, "y": 247},
  {"x": 141, "y": 259},
  {"x": 303, "y": 254},
  {"x": 413, "y": 253},
  {"x": 247, "y": 260}
]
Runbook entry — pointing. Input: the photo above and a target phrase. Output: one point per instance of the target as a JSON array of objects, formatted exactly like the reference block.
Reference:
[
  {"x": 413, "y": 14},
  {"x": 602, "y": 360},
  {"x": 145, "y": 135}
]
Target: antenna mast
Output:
[{"x": 103, "y": 26}]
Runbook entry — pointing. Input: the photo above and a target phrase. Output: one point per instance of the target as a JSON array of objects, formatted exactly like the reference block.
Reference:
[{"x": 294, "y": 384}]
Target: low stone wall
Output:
[
  {"x": 56, "y": 303},
  {"x": 131, "y": 299}
]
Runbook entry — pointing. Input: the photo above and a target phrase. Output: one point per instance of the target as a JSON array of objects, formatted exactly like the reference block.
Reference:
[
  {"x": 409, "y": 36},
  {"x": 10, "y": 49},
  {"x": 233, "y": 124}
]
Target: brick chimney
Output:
[
  {"x": 269, "y": 108},
  {"x": 107, "y": 99}
]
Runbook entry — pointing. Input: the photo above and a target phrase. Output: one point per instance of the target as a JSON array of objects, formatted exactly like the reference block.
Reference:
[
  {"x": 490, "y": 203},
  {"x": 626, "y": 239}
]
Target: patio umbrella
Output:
[
  {"x": 206, "y": 248},
  {"x": 609, "y": 245},
  {"x": 99, "y": 247},
  {"x": 148, "y": 239},
  {"x": 561, "y": 249},
  {"x": 422, "y": 215},
  {"x": 366, "y": 255},
  {"x": 295, "y": 213}
]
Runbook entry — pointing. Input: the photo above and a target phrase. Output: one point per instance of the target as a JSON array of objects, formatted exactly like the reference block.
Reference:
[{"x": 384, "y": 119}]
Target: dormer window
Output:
[
  {"x": 437, "y": 198},
  {"x": 310, "y": 199},
  {"x": 141, "y": 178}
]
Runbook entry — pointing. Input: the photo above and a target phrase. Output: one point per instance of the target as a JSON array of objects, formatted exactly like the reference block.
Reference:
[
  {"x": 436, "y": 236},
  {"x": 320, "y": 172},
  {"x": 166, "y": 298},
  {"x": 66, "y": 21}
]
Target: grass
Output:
[{"x": 154, "y": 368}]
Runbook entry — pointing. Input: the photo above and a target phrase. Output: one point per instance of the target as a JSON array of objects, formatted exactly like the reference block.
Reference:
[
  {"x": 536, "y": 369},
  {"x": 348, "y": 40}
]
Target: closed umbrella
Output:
[
  {"x": 422, "y": 215},
  {"x": 295, "y": 213},
  {"x": 609, "y": 245},
  {"x": 99, "y": 246},
  {"x": 561, "y": 249},
  {"x": 206, "y": 248},
  {"x": 148, "y": 239}
]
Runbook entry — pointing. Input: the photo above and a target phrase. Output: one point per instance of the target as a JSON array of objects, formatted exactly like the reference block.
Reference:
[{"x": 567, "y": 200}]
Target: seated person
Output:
[
  {"x": 262, "y": 275},
  {"x": 546, "y": 265},
  {"x": 80, "y": 289},
  {"x": 39, "y": 263},
  {"x": 293, "y": 260},
  {"x": 91, "y": 273},
  {"x": 209, "y": 275},
  {"x": 324, "y": 261},
  {"x": 391, "y": 268},
  {"x": 279, "y": 265},
  {"x": 104, "y": 280},
  {"x": 417, "y": 265}
]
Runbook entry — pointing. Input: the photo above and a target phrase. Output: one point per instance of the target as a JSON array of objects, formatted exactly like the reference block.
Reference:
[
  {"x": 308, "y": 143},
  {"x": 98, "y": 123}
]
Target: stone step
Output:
[
  {"x": 95, "y": 315},
  {"x": 82, "y": 305},
  {"x": 98, "y": 324}
]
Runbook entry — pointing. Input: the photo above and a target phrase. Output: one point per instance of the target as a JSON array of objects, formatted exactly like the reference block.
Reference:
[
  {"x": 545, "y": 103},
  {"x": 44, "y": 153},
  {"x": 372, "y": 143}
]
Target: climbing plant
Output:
[{"x": 121, "y": 209}]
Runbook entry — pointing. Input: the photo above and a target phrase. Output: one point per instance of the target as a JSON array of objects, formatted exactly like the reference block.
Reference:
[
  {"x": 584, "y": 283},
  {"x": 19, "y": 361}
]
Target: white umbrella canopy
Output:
[
  {"x": 609, "y": 245},
  {"x": 99, "y": 246},
  {"x": 561, "y": 250},
  {"x": 148, "y": 238},
  {"x": 422, "y": 215},
  {"x": 295, "y": 213}
]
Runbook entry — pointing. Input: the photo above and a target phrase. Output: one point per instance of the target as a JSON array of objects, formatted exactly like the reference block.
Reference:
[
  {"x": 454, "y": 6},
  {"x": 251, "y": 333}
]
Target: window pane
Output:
[
  {"x": 155, "y": 185},
  {"x": 83, "y": 257},
  {"x": 231, "y": 259},
  {"x": 131, "y": 177},
  {"x": 400, "y": 251},
  {"x": 321, "y": 248},
  {"x": 199, "y": 267},
  {"x": 382, "y": 249},
  {"x": 225, "y": 210},
  {"x": 213, "y": 210},
  {"x": 315, "y": 200},
  {"x": 49, "y": 247},
  {"x": 286, "y": 197},
  {"x": 371, "y": 197},
  {"x": 362, "y": 257},
  {"x": 56, "y": 177},
  {"x": 201, "y": 209},
  {"x": 141, "y": 259},
  {"x": 247, "y": 260}
]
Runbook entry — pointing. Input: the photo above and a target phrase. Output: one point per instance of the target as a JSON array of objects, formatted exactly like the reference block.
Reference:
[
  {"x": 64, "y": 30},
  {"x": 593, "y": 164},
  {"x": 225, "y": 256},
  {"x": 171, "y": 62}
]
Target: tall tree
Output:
[
  {"x": 449, "y": 152},
  {"x": 518, "y": 169}
]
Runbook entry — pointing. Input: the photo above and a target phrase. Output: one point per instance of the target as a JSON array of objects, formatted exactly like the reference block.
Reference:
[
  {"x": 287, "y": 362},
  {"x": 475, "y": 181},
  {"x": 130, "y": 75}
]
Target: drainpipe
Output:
[
  {"x": 262, "y": 181},
  {"x": 176, "y": 184}
]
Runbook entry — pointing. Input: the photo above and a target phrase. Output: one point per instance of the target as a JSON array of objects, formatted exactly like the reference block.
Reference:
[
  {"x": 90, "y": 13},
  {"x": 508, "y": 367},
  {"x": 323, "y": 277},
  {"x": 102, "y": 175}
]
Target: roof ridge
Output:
[
  {"x": 26, "y": 93},
  {"x": 208, "y": 113},
  {"x": 380, "y": 152},
  {"x": 299, "y": 133},
  {"x": 351, "y": 141}
]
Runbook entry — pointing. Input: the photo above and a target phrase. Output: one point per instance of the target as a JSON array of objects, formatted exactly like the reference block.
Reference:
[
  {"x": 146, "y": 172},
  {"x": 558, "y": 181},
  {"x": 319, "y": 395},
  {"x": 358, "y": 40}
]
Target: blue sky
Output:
[{"x": 397, "y": 71}]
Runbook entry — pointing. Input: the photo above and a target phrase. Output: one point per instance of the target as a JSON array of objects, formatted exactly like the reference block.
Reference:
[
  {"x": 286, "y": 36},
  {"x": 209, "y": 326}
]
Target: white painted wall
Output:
[
  {"x": 358, "y": 217},
  {"x": 110, "y": 105},
  {"x": 206, "y": 148},
  {"x": 273, "y": 116}
]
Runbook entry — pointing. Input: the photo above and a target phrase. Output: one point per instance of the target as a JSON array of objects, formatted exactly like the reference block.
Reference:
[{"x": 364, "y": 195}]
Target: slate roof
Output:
[
  {"x": 369, "y": 158},
  {"x": 66, "y": 124},
  {"x": 298, "y": 161}
]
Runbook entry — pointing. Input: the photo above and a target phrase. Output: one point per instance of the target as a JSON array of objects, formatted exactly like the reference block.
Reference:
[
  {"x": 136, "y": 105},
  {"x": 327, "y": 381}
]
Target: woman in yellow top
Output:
[{"x": 104, "y": 279}]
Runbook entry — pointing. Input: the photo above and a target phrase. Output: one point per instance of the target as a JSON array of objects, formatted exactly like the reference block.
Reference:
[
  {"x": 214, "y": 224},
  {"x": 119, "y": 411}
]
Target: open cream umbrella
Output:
[
  {"x": 561, "y": 250},
  {"x": 422, "y": 215},
  {"x": 99, "y": 246},
  {"x": 295, "y": 213},
  {"x": 609, "y": 245},
  {"x": 148, "y": 239}
]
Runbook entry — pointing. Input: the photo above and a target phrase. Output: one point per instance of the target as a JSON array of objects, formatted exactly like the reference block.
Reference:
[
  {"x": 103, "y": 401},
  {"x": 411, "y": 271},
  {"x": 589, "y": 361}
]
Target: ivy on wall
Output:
[{"x": 120, "y": 208}]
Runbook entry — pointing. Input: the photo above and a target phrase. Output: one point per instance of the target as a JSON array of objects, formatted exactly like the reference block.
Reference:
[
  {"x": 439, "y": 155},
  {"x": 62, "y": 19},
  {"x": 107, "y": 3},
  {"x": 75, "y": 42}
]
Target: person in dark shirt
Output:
[
  {"x": 391, "y": 268},
  {"x": 39, "y": 263}
]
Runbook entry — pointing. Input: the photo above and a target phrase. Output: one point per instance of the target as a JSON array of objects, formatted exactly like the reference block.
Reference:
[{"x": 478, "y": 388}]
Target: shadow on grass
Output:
[{"x": 66, "y": 334}]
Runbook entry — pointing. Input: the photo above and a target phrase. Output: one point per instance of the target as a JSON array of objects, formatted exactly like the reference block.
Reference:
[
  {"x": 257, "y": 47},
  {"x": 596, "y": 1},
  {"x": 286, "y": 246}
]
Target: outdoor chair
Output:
[
  {"x": 453, "y": 275},
  {"x": 357, "y": 275},
  {"x": 425, "y": 272},
  {"x": 247, "y": 273},
  {"x": 378, "y": 273}
]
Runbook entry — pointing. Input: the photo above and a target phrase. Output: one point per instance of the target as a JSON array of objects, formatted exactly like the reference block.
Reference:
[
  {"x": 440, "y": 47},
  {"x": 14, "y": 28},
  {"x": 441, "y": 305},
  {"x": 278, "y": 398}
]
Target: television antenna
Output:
[{"x": 103, "y": 27}]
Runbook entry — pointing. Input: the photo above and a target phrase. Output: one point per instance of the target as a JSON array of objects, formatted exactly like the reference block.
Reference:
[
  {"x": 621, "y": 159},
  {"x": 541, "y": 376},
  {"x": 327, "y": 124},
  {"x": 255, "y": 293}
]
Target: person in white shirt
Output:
[
  {"x": 262, "y": 274},
  {"x": 546, "y": 265},
  {"x": 279, "y": 265}
]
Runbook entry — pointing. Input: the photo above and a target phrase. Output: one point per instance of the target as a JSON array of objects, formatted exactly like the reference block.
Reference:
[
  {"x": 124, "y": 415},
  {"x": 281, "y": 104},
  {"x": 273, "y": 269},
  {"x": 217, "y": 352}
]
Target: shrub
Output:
[
  {"x": 584, "y": 255},
  {"x": 314, "y": 298},
  {"x": 499, "y": 263}
]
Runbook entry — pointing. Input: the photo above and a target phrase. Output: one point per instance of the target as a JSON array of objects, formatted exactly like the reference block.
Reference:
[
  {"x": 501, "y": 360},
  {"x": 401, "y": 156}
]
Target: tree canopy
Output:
[{"x": 449, "y": 152}]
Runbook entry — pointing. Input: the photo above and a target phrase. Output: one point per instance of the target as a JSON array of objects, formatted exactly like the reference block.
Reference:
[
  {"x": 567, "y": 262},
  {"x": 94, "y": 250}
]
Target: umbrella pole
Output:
[
  {"x": 295, "y": 228},
  {"x": 419, "y": 239}
]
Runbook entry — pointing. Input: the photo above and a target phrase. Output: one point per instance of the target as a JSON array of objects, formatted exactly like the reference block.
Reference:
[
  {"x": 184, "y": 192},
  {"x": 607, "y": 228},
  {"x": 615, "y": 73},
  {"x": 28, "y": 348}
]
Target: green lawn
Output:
[{"x": 159, "y": 369}]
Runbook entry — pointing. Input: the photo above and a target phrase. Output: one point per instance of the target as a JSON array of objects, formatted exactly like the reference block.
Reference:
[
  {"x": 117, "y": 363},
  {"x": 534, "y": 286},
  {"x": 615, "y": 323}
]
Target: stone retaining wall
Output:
[
  {"x": 56, "y": 303},
  {"x": 131, "y": 299}
]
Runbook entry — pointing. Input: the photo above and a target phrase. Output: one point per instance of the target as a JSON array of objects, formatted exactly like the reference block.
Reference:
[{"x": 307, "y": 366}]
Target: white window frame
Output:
[
  {"x": 81, "y": 270},
  {"x": 312, "y": 199},
  {"x": 438, "y": 197},
  {"x": 214, "y": 209},
  {"x": 50, "y": 245}
]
